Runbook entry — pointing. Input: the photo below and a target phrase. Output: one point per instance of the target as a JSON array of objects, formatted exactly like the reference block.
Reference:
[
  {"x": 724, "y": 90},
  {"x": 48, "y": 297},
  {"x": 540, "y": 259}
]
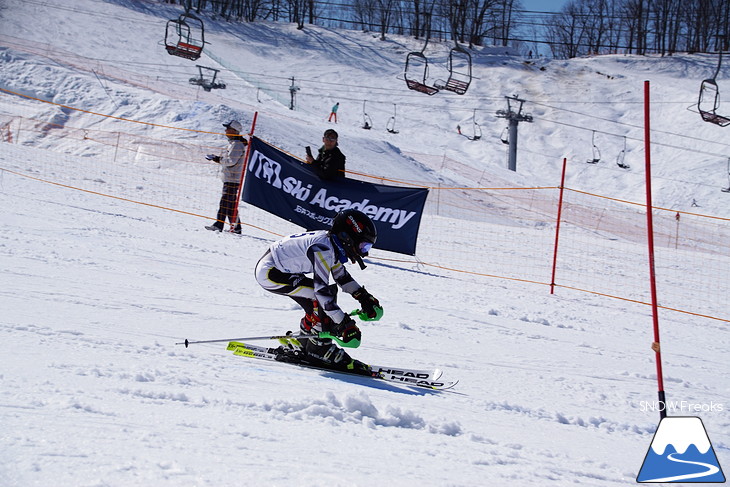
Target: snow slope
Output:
[{"x": 554, "y": 389}]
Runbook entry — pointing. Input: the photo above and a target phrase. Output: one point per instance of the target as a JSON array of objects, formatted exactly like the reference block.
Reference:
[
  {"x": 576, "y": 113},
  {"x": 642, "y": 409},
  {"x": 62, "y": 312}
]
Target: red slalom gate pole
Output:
[
  {"x": 557, "y": 226},
  {"x": 650, "y": 236}
]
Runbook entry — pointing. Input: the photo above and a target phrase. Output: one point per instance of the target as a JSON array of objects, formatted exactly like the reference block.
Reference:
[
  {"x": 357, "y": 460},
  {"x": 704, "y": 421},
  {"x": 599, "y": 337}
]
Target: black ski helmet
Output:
[{"x": 356, "y": 233}]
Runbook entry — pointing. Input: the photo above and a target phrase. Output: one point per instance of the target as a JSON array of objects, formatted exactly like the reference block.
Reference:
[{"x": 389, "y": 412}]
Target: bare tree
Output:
[
  {"x": 470, "y": 21},
  {"x": 564, "y": 32},
  {"x": 581, "y": 27},
  {"x": 420, "y": 22}
]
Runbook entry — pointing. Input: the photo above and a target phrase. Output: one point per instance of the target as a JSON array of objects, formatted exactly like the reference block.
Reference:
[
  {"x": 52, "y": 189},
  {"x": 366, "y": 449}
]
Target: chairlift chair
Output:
[
  {"x": 416, "y": 72},
  {"x": 460, "y": 76},
  {"x": 390, "y": 125},
  {"x": 596, "y": 153},
  {"x": 709, "y": 100},
  {"x": 476, "y": 129},
  {"x": 727, "y": 190},
  {"x": 185, "y": 36},
  {"x": 367, "y": 122},
  {"x": 477, "y": 132},
  {"x": 504, "y": 137},
  {"x": 620, "y": 159}
]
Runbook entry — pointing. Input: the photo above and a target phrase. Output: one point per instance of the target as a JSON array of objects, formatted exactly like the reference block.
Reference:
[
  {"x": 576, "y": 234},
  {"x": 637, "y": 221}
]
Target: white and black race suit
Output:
[{"x": 284, "y": 268}]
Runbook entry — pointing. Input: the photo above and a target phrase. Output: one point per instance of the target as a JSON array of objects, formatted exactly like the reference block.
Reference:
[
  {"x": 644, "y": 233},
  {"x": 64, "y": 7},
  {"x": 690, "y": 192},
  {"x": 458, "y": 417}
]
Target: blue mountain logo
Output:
[{"x": 681, "y": 452}]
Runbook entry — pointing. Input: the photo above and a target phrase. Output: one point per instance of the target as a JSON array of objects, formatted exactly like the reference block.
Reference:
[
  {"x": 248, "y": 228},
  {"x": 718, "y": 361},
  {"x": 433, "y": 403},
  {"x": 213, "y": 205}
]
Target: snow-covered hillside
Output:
[{"x": 554, "y": 389}]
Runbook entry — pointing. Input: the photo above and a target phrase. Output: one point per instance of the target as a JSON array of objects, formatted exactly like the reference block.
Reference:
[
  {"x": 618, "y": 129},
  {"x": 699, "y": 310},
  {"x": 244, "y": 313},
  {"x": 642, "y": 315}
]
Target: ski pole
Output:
[
  {"x": 187, "y": 342},
  {"x": 351, "y": 344},
  {"x": 324, "y": 334}
]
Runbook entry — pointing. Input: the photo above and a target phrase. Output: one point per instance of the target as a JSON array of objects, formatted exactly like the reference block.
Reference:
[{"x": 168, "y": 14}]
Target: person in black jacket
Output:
[{"x": 330, "y": 162}]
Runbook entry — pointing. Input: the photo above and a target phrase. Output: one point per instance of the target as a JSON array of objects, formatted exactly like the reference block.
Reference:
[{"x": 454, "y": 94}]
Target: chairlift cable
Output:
[
  {"x": 654, "y": 131},
  {"x": 639, "y": 139}
]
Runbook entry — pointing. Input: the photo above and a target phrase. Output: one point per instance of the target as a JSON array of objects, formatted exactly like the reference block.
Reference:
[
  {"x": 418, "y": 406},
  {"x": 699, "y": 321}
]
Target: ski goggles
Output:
[{"x": 365, "y": 247}]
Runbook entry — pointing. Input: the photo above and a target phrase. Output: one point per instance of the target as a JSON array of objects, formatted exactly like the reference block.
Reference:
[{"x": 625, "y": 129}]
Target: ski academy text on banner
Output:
[{"x": 280, "y": 184}]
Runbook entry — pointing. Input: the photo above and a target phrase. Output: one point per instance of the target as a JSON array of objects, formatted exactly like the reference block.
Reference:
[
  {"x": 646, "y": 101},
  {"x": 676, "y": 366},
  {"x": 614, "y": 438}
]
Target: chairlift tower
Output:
[{"x": 514, "y": 116}]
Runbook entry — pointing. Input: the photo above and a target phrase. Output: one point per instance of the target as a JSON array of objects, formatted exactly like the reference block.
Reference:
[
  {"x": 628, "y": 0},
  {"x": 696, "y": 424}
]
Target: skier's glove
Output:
[
  {"x": 213, "y": 157},
  {"x": 368, "y": 303},
  {"x": 347, "y": 330}
]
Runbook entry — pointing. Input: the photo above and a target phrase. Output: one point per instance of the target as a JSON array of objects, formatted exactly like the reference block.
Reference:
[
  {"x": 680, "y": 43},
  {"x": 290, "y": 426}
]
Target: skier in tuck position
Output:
[{"x": 283, "y": 269}]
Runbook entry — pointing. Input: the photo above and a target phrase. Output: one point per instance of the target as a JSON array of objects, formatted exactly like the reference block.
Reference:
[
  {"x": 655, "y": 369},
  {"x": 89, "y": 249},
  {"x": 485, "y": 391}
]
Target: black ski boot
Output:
[
  {"x": 290, "y": 351},
  {"x": 325, "y": 353}
]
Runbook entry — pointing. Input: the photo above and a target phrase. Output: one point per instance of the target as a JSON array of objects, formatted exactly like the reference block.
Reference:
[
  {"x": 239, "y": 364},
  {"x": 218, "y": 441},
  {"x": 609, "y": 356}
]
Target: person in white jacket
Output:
[
  {"x": 284, "y": 269},
  {"x": 231, "y": 167}
]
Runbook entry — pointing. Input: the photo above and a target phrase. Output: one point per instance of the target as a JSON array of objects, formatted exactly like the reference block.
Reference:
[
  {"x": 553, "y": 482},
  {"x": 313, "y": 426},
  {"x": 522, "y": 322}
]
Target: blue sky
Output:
[{"x": 543, "y": 5}]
